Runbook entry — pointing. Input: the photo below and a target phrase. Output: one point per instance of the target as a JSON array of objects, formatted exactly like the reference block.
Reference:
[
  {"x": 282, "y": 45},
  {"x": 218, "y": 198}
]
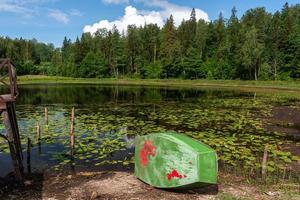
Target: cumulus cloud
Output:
[
  {"x": 179, "y": 12},
  {"x": 132, "y": 16},
  {"x": 115, "y": 1},
  {"x": 136, "y": 17},
  {"x": 59, "y": 16}
]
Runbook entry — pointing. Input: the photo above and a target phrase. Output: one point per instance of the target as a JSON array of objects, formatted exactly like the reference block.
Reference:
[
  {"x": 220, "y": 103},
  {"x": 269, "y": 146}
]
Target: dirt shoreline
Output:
[{"x": 123, "y": 185}]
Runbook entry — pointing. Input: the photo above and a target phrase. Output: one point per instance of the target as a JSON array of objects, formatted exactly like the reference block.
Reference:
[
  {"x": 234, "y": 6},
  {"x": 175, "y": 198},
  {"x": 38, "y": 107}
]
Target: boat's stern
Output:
[{"x": 208, "y": 167}]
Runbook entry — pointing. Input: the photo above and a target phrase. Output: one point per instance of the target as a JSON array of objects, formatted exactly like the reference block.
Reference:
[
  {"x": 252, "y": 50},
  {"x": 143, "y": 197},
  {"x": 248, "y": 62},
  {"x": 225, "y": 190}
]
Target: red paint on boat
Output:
[
  {"x": 174, "y": 174},
  {"x": 147, "y": 150}
]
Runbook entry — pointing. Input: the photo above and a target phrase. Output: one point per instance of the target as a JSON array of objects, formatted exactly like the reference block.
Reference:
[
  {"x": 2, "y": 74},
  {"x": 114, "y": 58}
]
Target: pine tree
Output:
[
  {"x": 234, "y": 37},
  {"x": 133, "y": 48},
  {"x": 273, "y": 46},
  {"x": 170, "y": 49},
  {"x": 221, "y": 44},
  {"x": 201, "y": 37},
  {"x": 251, "y": 52}
]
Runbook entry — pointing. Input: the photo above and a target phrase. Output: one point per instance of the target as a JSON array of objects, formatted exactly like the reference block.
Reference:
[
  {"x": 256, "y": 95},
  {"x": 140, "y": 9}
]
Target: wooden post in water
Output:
[
  {"x": 72, "y": 137},
  {"x": 28, "y": 155},
  {"x": 264, "y": 163},
  {"x": 46, "y": 115},
  {"x": 38, "y": 137},
  {"x": 38, "y": 132}
]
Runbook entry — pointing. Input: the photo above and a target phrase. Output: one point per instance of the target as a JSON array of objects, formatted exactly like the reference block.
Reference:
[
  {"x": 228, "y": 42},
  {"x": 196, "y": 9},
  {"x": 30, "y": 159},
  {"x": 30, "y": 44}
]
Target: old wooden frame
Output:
[{"x": 7, "y": 109}]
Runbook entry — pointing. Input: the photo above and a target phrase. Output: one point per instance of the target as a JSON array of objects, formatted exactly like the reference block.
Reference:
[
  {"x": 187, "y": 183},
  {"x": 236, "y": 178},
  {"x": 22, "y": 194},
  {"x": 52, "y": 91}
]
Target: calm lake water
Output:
[{"x": 107, "y": 118}]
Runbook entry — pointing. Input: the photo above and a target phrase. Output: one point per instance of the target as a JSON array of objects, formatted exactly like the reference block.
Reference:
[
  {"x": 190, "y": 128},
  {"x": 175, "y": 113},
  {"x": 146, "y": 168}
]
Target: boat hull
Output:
[{"x": 170, "y": 160}]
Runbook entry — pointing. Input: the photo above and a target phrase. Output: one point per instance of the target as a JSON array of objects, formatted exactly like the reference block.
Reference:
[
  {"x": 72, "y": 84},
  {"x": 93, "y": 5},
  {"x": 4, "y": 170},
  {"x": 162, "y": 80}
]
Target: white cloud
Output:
[
  {"x": 75, "y": 12},
  {"x": 115, "y": 1},
  {"x": 8, "y": 7},
  {"x": 59, "y": 16},
  {"x": 27, "y": 2},
  {"x": 132, "y": 16},
  {"x": 25, "y": 8},
  {"x": 31, "y": 8},
  {"x": 14, "y": 7},
  {"x": 179, "y": 12},
  {"x": 136, "y": 17}
]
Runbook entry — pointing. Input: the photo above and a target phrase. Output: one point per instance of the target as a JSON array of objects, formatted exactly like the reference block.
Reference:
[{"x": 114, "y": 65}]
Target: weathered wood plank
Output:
[
  {"x": 14, "y": 150},
  {"x": 8, "y": 110}
]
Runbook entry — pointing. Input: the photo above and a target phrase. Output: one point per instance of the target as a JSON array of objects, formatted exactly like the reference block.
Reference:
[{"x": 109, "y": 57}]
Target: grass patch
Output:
[{"x": 235, "y": 84}]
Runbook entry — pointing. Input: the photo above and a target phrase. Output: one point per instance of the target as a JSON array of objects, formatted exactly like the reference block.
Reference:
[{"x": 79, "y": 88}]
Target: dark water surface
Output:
[{"x": 109, "y": 117}]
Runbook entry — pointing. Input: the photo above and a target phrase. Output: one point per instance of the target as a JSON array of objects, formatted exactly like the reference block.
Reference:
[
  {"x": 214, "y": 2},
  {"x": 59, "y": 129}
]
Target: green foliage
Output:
[
  {"x": 27, "y": 67},
  {"x": 153, "y": 70},
  {"x": 284, "y": 76},
  {"x": 223, "y": 70},
  {"x": 251, "y": 52},
  {"x": 265, "y": 72},
  {"x": 259, "y": 45},
  {"x": 93, "y": 65},
  {"x": 191, "y": 65},
  {"x": 209, "y": 67}
]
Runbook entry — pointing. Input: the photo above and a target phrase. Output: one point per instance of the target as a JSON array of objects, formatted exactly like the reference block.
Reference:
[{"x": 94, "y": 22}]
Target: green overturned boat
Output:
[{"x": 171, "y": 160}]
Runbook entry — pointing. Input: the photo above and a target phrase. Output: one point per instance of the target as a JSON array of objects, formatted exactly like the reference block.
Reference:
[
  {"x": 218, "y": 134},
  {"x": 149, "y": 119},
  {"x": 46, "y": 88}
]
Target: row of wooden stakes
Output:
[
  {"x": 38, "y": 136},
  {"x": 72, "y": 136}
]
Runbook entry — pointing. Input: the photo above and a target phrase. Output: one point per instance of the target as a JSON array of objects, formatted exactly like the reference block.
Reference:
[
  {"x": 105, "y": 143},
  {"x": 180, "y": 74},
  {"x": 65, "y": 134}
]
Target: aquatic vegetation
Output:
[
  {"x": 3, "y": 147},
  {"x": 3, "y": 144},
  {"x": 232, "y": 124}
]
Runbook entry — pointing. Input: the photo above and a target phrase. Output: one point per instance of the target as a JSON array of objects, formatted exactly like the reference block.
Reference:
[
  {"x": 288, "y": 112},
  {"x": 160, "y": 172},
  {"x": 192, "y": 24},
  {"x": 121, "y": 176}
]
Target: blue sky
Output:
[{"x": 51, "y": 20}]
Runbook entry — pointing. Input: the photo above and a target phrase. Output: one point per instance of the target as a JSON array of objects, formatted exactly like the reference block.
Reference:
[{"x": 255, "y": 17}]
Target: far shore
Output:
[{"x": 293, "y": 86}]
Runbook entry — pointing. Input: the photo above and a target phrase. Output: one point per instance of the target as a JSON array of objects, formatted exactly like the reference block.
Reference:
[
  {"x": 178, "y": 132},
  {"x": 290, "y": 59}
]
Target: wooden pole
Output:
[
  {"x": 15, "y": 154},
  {"x": 38, "y": 135},
  {"x": 46, "y": 115},
  {"x": 264, "y": 163},
  {"x": 11, "y": 111},
  {"x": 28, "y": 155},
  {"x": 72, "y": 137},
  {"x": 38, "y": 131}
]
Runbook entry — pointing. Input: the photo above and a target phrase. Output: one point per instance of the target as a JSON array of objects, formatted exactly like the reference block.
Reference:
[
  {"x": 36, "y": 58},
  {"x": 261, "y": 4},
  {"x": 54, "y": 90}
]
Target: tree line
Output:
[{"x": 257, "y": 46}]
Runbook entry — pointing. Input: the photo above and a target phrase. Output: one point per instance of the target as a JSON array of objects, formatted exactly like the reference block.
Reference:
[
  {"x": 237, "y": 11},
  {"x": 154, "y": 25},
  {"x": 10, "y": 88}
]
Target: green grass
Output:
[{"x": 238, "y": 84}]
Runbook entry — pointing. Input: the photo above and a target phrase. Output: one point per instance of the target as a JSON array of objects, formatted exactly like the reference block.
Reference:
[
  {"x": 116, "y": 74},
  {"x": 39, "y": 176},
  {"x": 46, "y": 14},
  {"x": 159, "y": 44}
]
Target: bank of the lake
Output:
[{"x": 292, "y": 85}]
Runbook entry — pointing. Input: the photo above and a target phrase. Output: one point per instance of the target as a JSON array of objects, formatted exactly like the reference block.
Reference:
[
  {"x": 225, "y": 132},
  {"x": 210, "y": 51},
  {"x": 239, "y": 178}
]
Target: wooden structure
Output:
[{"x": 7, "y": 109}]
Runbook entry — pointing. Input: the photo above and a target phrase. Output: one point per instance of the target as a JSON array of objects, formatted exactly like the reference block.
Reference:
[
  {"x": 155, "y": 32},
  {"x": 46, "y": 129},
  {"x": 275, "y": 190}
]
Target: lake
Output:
[{"x": 236, "y": 124}]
